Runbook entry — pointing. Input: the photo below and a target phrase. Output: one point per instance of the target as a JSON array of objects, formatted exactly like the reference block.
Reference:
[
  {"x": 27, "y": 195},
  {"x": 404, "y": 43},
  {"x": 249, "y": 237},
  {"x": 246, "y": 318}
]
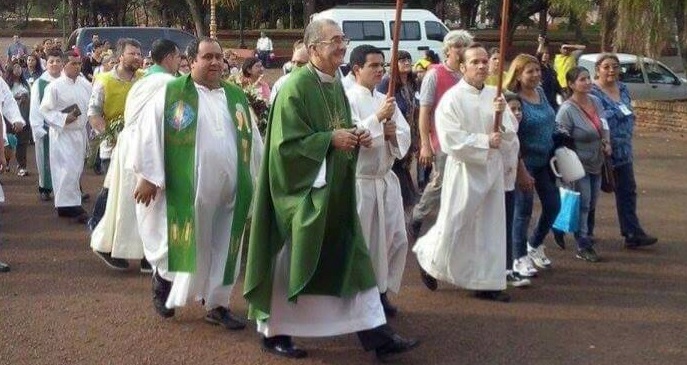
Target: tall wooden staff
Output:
[
  {"x": 394, "y": 49},
  {"x": 502, "y": 58}
]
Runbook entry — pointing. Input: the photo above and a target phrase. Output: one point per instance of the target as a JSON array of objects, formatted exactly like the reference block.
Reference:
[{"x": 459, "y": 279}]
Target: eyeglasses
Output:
[{"x": 337, "y": 41}]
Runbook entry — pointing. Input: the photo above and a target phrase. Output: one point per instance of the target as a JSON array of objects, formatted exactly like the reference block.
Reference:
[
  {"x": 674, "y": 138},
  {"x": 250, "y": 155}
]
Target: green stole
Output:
[
  {"x": 180, "y": 121},
  {"x": 47, "y": 178}
]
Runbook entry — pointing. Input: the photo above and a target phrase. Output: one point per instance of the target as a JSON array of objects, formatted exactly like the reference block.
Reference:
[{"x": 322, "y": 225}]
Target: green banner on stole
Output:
[
  {"x": 47, "y": 178},
  {"x": 180, "y": 120}
]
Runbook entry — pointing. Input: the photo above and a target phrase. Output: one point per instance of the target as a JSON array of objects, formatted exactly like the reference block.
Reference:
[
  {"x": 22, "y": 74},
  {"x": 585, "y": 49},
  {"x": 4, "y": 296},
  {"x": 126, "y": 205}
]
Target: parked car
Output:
[
  {"x": 421, "y": 30},
  {"x": 646, "y": 79},
  {"x": 82, "y": 37}
]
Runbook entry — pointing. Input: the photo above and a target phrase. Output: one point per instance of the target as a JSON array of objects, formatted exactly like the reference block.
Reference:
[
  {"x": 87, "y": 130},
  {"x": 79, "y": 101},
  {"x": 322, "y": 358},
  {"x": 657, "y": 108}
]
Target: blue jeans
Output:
[
  {"x": 626, "y": 200},
  {"x": 510, "y": 210},
  {"x": 545, "y": 185},
  {"x": 588, "y": 187}
]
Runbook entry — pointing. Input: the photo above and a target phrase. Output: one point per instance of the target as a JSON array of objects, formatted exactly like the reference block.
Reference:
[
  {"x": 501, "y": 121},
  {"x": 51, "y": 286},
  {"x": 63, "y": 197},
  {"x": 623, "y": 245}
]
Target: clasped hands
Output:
[{"x": 349, "y": 139}]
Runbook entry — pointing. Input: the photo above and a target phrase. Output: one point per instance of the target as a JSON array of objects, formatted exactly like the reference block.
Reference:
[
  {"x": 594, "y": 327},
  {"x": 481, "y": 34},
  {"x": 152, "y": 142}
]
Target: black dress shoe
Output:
[
  {"x": 639, "y": 240},
  {"x": 161, "y": 289},
  {"x": 4, "y": 267},
  {"x": 493, "y": 295},
  {"x": 223, "y": 317},
  {"x": 282, "y": 346},
  {"x": 389, "y": 309},
  {"x": 428, "y": 280},
  {"x": 559, "y": 238},
  {"x": 113, "y": 263},
  {"x": 397, "y": 345}
]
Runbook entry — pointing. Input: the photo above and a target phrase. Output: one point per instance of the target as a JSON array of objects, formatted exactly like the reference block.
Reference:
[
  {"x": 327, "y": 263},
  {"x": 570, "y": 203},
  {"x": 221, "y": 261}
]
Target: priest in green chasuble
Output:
[
  {"x": 196, "y": 157},
  {"x": 308, "y": 270}
]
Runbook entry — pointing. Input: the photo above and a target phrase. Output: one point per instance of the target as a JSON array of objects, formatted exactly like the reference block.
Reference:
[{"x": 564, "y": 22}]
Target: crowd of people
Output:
[{"x": 330, "y": 196}]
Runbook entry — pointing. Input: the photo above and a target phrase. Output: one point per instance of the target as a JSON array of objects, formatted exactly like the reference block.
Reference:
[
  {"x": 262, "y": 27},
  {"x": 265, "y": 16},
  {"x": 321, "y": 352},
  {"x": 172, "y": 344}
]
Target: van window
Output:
[
  {"x": 410, "y": 31},
  {"x": 364, "y": 30},
  {"x": 658, "y": 74},
  {"x": 435, "y": 31},
  {"x": 631, "y": 73}
]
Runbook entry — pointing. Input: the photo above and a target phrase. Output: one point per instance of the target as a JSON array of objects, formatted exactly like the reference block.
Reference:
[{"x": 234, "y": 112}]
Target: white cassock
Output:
[
  {"x": 216, "y": 171},
  {"x": 67, "y": 141},
  {"x": 38, "y": 127},
  {"x": 467, "y": 245},
  {"x": 8, "y": 110},
  {"x": 378, "y": 192},
  {"x": 117, "y": 232}
]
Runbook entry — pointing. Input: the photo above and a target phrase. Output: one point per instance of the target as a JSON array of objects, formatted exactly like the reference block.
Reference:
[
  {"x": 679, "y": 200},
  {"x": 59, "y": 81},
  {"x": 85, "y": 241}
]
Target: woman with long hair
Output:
[
  {"x": 617, "y": 110},
  {"x": 581, "y": 118},
  {"x": 33, "y": 69},
  {"x": 536, "y": 146},
  {"x": 252, "y": 72},
  {"x": 20, "y": 89},
  {"x": 406, "y": 87},
  {"x": 549, "y": 78}
]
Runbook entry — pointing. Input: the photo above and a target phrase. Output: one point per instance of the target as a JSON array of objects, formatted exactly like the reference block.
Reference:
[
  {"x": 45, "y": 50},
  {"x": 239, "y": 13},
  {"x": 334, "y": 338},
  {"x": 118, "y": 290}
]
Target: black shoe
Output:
[
  {"x": 428, "y": 280},
  {"x": 85, "y": 197},
  {"x": 493, "y": 295},
  {"x": 639, "y": 240},
  {"x": 587, "y": 254},
  {"x": 559, "y": 238},
  {"x": 222, "y": 316},
  {"x": 161, "y": 289},
  {"x": 4, "y": 267},
  {"x": 113, "y": 263},
  {"x": 389, "y": 309},
  {"x": 415, "y": 228},
  {"x": 397, "y": 345},
  {"x": 145, "y": 267},
  {"x": 45, "y": 196},
  {"x": 282, "y": 346}
]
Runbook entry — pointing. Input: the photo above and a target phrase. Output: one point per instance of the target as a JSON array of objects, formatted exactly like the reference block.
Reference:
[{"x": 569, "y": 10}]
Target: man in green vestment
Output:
[{"x": 308, "y": 270}]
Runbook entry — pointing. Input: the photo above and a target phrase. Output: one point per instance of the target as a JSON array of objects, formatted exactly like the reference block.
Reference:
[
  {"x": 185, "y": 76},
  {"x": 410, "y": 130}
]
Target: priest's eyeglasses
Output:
[{"x": 337, "y": 41}]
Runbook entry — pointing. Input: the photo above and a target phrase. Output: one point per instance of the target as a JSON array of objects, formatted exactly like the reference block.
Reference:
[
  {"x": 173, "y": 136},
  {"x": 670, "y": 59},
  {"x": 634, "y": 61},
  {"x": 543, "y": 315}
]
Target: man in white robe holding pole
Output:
[
  {"x": 117, "y": 232},
  {"x": 378, "y": 192},
  {"x": 39, "y": 126},
  {"x": 64, "y": 105},
  {"x": 467, "y": 245},
  {"x": 195, "y": 157}
]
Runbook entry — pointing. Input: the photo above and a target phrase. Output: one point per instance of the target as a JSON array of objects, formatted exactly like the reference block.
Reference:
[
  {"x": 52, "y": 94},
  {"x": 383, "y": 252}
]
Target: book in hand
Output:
[{"x": 74, "y": 108}]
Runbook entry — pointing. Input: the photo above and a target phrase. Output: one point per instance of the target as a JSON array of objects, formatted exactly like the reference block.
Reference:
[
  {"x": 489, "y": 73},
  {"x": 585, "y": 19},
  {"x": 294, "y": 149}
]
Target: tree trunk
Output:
[
  {"x": 680, "y": 19},
  {"x": 74, "y": 21},
  {"x": 197, "y": 17},
  {"x": 308, "y": 10},
  {"x": 609, "y": 21}
]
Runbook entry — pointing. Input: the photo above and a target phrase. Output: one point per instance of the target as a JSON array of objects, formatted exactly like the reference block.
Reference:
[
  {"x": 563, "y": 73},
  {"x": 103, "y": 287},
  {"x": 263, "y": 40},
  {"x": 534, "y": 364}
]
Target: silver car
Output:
[{"x": 646, "y": 79}]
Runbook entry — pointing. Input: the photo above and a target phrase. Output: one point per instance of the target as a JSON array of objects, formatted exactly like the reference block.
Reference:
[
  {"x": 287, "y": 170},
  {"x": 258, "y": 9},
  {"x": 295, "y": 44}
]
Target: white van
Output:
[{"x": 420, "y": 29}]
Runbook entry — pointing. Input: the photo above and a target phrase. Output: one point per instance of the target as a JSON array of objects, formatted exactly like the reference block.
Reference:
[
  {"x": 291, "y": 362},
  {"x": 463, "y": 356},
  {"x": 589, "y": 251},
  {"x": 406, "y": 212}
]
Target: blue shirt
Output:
[
  {"x": 535, "y": 131},
  {"x": 620, "y": 125}
]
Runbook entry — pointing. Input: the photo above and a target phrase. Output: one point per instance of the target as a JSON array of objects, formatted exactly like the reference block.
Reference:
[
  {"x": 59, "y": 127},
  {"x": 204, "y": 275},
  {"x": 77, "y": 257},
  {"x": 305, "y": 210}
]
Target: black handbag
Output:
[{"x": 607, "y": 176}]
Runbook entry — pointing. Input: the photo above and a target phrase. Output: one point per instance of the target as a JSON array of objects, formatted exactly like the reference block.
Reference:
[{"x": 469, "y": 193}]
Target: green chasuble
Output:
[
  {"x": 47, "y": 178},
  {"x": 328, "y": 251},
  {"x": 180, "y": 120}
]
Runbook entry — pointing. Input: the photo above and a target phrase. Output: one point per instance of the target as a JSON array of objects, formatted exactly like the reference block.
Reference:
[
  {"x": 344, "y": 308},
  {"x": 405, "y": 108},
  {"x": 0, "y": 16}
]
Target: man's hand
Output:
[
  {"x": 523, "y": 179},
  {"x": 145, "y": 192},
  {"x": 71, "y": 117},
  {"x": 495, "y": 140},
  {"x": 387, "y": 109},
  {"x": 17, "y": 126},
  {"x": 426, "y": 155},
  {"x": 345, "y": 139},
  {"x": 364, "y": 137},
  {"x": 390, "y": 131},
  {"x": 499, "y": 104}
]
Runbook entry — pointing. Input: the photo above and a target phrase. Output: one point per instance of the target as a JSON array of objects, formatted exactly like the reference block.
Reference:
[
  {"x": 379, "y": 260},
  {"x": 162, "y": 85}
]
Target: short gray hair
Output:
[
  {"x": 457, "y": 38},
  {"x": 313, "y": 32}
]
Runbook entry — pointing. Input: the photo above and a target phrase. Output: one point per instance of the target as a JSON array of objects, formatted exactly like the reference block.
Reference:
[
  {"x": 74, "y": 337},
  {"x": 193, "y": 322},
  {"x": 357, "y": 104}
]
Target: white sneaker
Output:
[
  {"x": 538, "y": 256},
  {"x": 22, "y": 172},
  {"x": 523, "y": 267},
  {"x": 515, "y": 280}
]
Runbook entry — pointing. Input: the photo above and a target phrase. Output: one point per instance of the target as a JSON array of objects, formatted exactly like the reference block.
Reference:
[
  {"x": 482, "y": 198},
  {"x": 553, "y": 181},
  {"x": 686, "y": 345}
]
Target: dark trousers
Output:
[
  {"x": 264, "y": 57},
  {"x": 626, "y": 200},
  {"x": 99, "y": 207},
  {"x": 23, "y": 142},
  {"x": 377, "y": 337},
  {"x": 510, "y": 212}
]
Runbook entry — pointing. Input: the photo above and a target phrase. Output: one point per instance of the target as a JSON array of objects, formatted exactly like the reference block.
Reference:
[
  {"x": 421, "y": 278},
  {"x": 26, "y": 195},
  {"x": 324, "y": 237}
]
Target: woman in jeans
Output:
[
  {"x": 616, "y": 103},
  {"x": 580, "y": 117},
  {"x": 536, "y": 145}
]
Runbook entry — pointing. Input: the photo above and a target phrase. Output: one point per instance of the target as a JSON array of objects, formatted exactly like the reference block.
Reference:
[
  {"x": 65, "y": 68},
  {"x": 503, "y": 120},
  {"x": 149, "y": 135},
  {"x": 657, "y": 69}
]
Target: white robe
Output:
[
  {"x": 117, "y": 232},
  {"x": 318, "y": 315},
  {"x": 67, "y": 141},
  {"x": 216, "y": 171},
  {"x": 40, "y": 133},
  {"x": 467, "y": 245},
  {"x": 9, "y": 110},
  {"x": 378, "y": 192}
]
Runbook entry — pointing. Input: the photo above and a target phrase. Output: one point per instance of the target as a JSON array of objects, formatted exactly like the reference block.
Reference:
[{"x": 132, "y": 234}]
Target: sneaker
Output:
[
  {"x": 113, "y": 263},
  {"x": 222, "y": 316},
  {"x": 517, "y": 281},
  {"x": 161, "y": 289},
  {"x": 145, "y": 267},
  {"x": 22, "y": 172},
  {"x": 4, "y": 267},
  {"x": 587, "y": 254},
  {"x": 634, "y": 241},
  {"x": 538, "y": 256},
  {"x": 524, "y": 267}
]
